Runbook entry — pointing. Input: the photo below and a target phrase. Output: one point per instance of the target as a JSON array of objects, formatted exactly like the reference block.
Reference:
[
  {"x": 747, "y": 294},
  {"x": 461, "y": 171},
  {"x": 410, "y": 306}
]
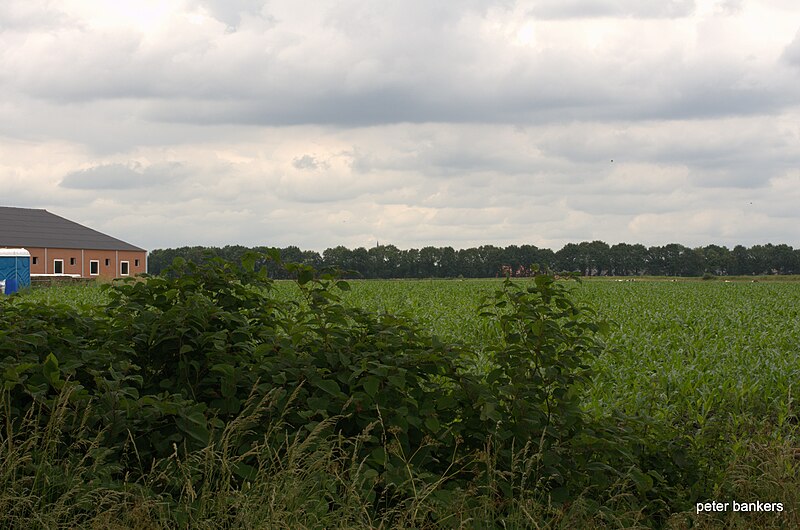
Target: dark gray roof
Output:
[{"x": 25, "y": 227}]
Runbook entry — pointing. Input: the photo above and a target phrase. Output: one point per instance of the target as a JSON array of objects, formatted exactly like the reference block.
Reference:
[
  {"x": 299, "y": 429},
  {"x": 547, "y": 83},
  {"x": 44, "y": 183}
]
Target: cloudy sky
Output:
[{"x": 423, "y": 122}]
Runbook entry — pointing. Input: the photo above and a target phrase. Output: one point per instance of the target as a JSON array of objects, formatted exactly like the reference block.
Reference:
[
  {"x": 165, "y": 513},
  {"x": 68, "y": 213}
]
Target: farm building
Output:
[{"x": 61, "y": 246}]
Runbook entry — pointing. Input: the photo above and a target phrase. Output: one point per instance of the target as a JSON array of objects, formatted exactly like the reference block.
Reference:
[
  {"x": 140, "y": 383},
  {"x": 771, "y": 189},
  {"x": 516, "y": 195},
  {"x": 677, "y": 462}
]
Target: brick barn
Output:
[{"x": 61, "y": 246}]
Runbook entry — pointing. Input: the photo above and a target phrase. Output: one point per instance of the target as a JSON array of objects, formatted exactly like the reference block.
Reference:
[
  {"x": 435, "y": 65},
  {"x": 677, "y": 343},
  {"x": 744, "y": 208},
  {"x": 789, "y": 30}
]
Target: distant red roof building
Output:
[{"x": 61, "y": 246}]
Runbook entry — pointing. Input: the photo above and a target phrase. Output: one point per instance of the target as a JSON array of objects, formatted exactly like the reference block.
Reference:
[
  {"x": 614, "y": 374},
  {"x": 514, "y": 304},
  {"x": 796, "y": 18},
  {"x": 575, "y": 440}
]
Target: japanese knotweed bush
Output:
[{"x": 532, "y": 413}]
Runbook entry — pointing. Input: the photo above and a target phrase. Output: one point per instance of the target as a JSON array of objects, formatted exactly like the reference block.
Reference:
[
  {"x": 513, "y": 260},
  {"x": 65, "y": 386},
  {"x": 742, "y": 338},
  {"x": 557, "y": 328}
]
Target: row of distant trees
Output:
[{"x": 594, "y": 258}]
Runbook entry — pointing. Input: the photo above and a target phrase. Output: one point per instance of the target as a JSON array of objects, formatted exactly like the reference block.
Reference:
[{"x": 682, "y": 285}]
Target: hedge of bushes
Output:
[{"x": 198, "y": 385}]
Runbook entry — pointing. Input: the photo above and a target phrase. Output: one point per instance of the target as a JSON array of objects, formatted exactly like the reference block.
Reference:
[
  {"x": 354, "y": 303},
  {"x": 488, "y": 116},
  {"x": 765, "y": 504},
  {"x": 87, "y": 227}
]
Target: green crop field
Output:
[
  {"x": 716, "y": 356},
  {"x": 684, "y": 350},
  {"x": 710, "y": 366},
  {"x": 712, "y": 344}
]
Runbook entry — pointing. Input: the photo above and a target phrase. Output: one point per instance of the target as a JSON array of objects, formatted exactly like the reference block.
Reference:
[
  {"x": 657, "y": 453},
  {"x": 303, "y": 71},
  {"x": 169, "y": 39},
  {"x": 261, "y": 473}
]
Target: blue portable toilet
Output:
[{"x": 15, "y": 269}]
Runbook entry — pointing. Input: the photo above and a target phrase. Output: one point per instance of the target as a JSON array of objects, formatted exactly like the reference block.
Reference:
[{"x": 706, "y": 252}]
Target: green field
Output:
[
  {"x": 691, "y": 353},
  {"x": 711, "y": 365},
  {"x": 683, "y": 350},
  {"x": 714, "y": 359}
]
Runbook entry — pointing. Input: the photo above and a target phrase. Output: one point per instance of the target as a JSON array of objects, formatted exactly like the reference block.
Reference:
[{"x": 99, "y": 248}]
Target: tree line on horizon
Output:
[{"x": 595, "y": 258}]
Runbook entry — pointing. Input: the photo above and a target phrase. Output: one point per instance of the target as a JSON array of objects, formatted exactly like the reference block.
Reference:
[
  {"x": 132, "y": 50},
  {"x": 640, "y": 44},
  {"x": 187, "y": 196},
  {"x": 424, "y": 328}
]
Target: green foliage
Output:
[
  {"x": 210, "y": 378},
  {"x": 170, "y": 361},
  {"x": 539, "y": 375}
]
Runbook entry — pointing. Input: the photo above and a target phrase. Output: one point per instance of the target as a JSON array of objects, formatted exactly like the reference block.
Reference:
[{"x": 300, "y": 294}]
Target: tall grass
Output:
[{"x": 53, "y": 475}]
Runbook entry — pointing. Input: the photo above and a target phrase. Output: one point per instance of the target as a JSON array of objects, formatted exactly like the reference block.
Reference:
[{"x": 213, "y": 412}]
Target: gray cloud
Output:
[
  {"x": 361, "y": 70},
  {"x": 25, "y": 16},
  {"x": 792, "y": 52},
  {"x": 731, "y": 7},
  {"x": 306, "y": 162},
  {"x": 558, "y": 9},
  {"x": 123, "y": 177},
  {"x": 231, "y": 11}
]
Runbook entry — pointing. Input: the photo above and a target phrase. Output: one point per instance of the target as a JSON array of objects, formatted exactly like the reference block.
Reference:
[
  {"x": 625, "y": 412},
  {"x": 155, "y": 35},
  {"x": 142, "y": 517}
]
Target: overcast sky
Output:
[{"x": 422, "y": 122}]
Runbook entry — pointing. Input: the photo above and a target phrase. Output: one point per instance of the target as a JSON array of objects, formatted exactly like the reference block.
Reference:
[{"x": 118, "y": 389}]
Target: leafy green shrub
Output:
[{"x": 169, "y": 366}]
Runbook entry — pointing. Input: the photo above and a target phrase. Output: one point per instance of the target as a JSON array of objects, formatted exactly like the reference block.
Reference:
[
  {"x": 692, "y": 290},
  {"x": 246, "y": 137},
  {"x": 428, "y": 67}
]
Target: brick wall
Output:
[{"x": 77, "y": 261}]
